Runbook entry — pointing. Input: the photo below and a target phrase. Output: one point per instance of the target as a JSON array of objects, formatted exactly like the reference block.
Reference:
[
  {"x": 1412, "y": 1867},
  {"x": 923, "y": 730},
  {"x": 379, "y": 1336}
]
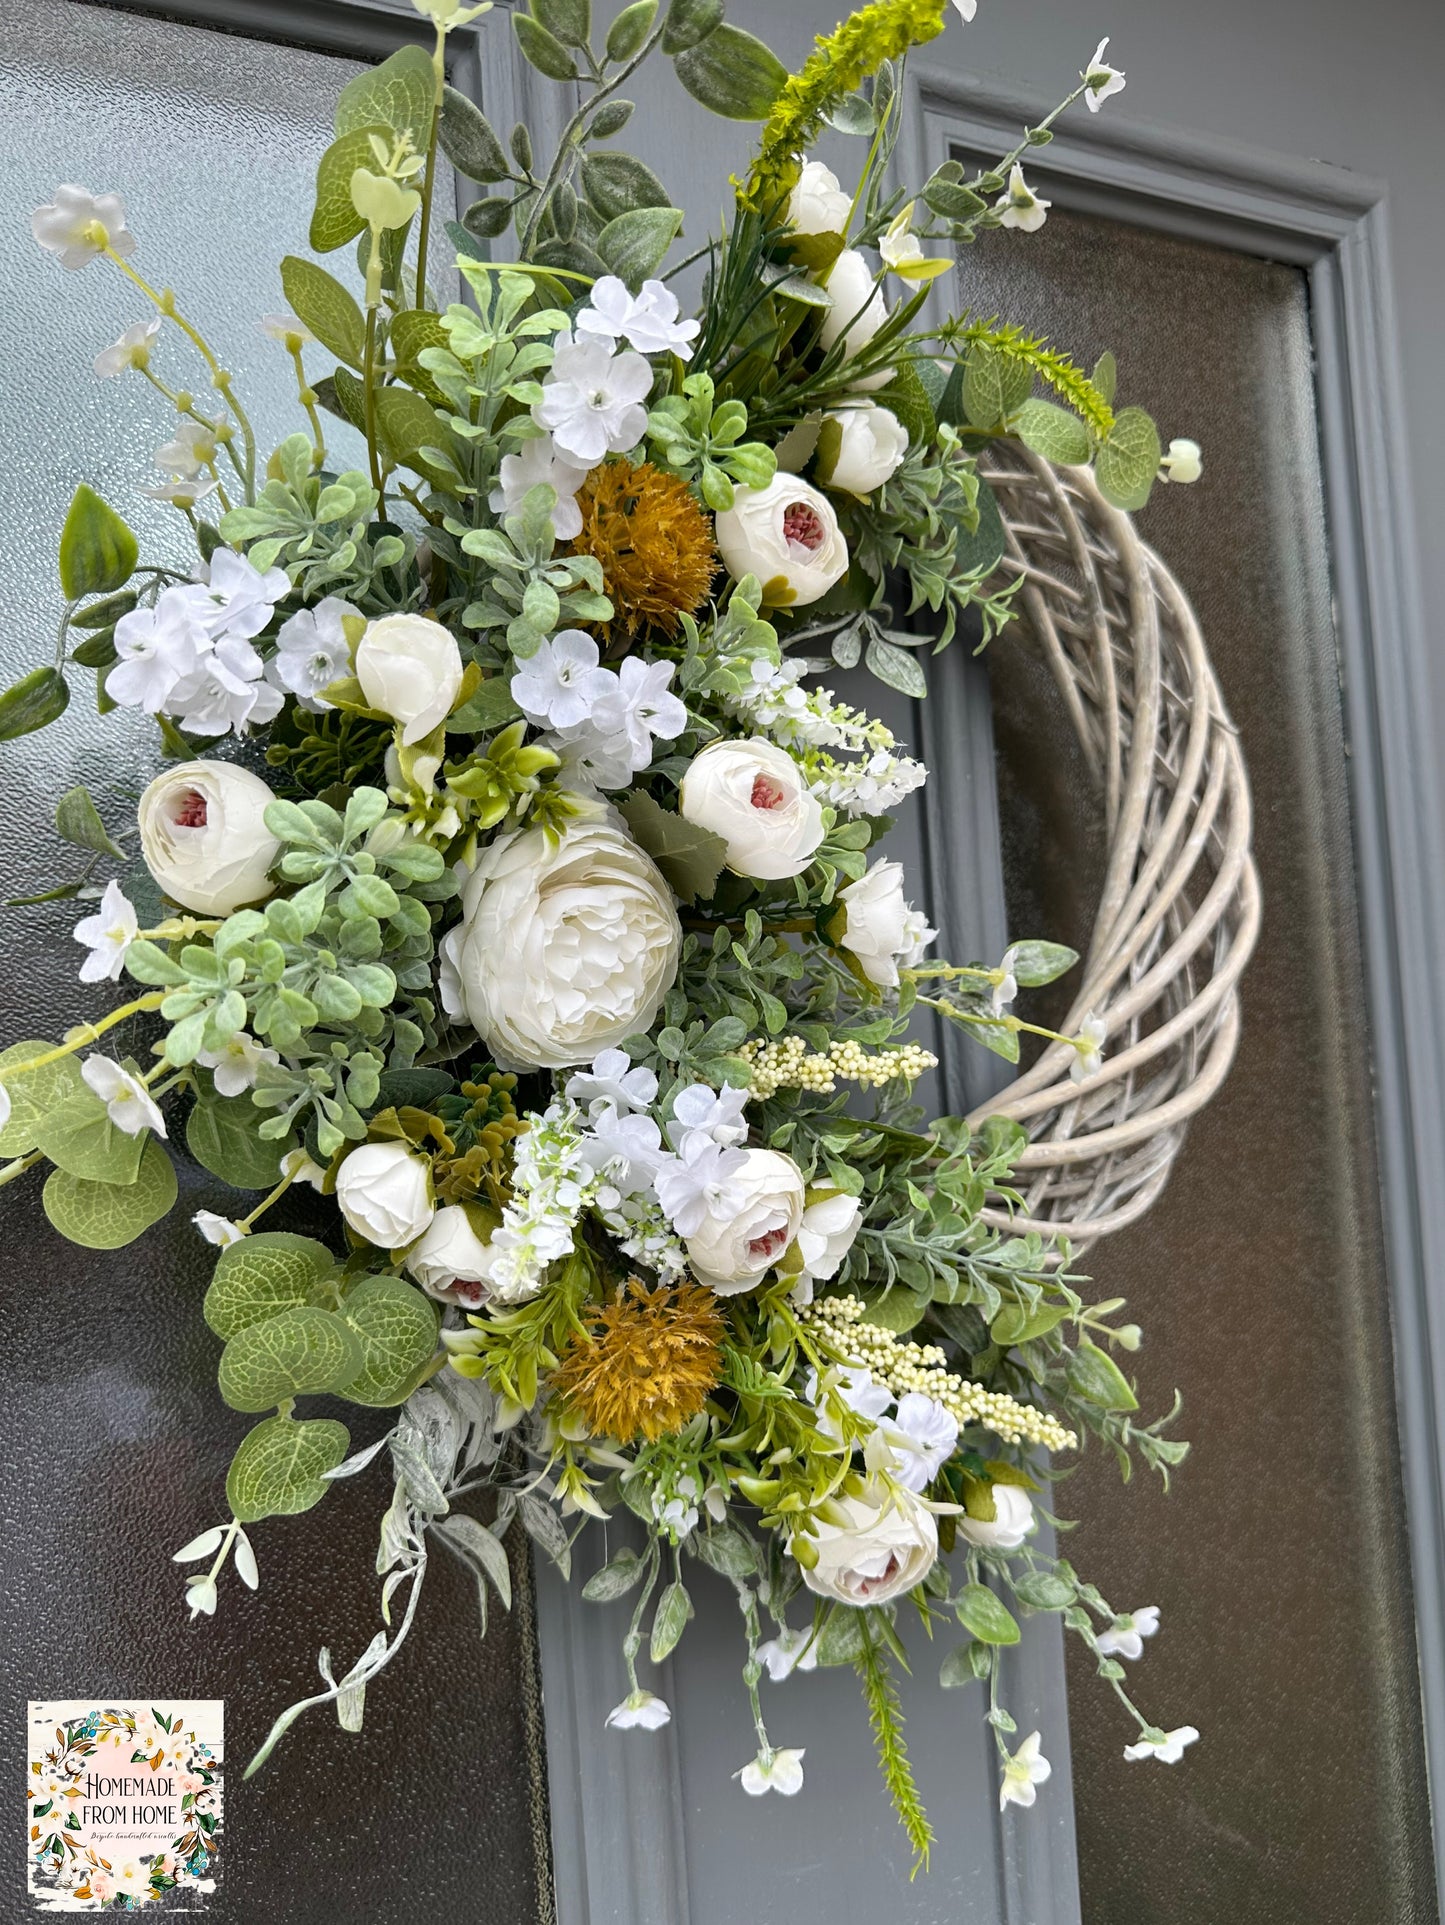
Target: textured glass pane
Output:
[
  {"x": 1279, "y": 1559},
  {"x": 113, "y": 1442}
]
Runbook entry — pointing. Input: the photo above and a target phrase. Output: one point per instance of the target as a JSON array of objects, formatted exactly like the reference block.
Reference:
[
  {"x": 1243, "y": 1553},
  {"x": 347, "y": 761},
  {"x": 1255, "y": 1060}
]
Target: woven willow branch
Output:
[{"x": 1180, "y": 908}]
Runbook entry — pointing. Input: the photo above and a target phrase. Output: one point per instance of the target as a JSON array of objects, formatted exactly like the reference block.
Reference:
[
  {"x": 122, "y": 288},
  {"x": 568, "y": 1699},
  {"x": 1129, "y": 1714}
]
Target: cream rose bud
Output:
[
  {"x": 889, "y": 1544},
  {"x": 411, "y": 669},
  {"x": 754, "y": 795},
  {"x": 827, "y": 1233},
  {"x": 818, "y": 204},
  {"x": 453, "y": 1261},
  {"x": 875, "y": 922},
  {"x": 861, "y": 448},
  {"x": 1011, "y": 1525},
  {"x": 859, "y": 309},
  {"x": 384, "y": 1192},
  {"x": 788, "y": 536},
  {"x": 733, "y": 1251},
  {"x": 563, "y": 949},
  {"x": 204, "y": 837}
]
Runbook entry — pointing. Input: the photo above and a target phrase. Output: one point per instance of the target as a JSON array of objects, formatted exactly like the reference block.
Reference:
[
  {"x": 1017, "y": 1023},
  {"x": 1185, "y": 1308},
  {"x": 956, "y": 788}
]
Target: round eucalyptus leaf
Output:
[
  {"x": 299, "y": 1352},
  {"x": 280, "y": 1468},
  {"x": 107, "y": 1216}
]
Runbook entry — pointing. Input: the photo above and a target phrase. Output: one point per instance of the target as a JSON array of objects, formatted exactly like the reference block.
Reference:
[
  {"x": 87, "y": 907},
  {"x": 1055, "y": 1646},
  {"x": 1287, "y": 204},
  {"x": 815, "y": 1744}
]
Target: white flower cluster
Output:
[
  {"x": 814, "y": 722},
  {"x": 551, "y": 1186},
  {"x": 604, "y": 721},
  {"x": 190, "y": 655}
]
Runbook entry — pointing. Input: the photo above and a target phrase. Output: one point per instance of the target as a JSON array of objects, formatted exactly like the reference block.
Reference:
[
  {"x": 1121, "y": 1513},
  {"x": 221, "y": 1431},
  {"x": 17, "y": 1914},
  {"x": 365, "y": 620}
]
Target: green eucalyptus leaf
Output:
[
  {"x": 397, "y": 95},
  {"x": 280, "y": 1468},
  {"x": 299, "y": 1351},
  {"x": 995, "y": 386},
  {"x": 33, "y": 702},
  {"x": 1127, "y": 464},
  {"x": 97, "y": 550},
  {"x": 1106, "y": 376},
  {"x": 1054, "y": 433},
  {"x": 1043, "y": 1590},
  {"x": 396, "y": 1327},
  {"x": 263, "y": 1275},
  {"x": 335, "y": 220},
  {"x": 957, "y": 1668},
  {"x": 79, "y": 1137},
  {"x": 469, "y": 140},
  {"x": 410, "y": 423},
  {"x": 1034, "y": 963},
  {"x": 222, "y": 1134},
  {"x": 979, "y": 550},
  {"x": 327, "y": 308},
  {"x": 107, "y": 1216},
  {"x": 732, "y": 73},
  {"x": 633, "y": 245},
  {"x": 34, "y": 1094}
]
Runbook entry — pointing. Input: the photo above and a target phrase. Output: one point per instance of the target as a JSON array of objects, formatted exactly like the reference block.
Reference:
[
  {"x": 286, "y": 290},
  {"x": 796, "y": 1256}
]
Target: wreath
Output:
[{"x": 527, "y": 901}]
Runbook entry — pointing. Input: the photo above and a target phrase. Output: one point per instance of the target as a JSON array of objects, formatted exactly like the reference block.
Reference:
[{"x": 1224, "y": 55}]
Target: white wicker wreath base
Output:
[{"x": 1180, "y": 906}]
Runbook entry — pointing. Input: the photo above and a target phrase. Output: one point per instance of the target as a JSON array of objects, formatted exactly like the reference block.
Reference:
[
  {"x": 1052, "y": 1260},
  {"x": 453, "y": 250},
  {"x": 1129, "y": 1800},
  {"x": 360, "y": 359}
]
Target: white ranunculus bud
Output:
[
  {"x": 563, "y": 949},
  {"x": 788, "y": 536},
  {"x": 889, "y": 1544},
  {"x": 1011, "y": 1525},
  {"x": 754, "y": 795},
  {"x": 735, "y": 1251},
  {"x": 827, "y": 1233},
  {"x": 859, "y": 309},
  {"x": 861, "y": 448},
  {"x": 817, "y": 204},
  {"x": 453, "y": 1262},
  {"x": 204, "y": 837},
  {"x": 875, "y": 922},
  {"x": 384, "y": 1192},
  {"x": 411, "y": 669}
]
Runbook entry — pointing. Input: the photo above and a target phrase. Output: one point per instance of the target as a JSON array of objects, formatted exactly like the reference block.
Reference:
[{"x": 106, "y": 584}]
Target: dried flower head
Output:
[
  {"x": 647, "y": 1366},
  {"x": 654, "y": 543}
]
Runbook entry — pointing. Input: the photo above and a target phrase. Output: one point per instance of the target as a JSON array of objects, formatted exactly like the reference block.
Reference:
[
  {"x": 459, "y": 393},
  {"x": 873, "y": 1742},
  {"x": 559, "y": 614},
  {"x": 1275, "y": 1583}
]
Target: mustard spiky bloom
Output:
[
  {"x": 654, "y": 544},
  {"x": 648, "y": 1362}
]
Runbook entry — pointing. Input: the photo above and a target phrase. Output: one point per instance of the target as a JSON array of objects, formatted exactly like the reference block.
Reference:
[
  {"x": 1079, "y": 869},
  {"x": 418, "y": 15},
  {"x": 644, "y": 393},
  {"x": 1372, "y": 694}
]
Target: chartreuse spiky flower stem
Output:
[
  {"x": 840, "y": 63},
  {"x": 886, "y": 1717}
]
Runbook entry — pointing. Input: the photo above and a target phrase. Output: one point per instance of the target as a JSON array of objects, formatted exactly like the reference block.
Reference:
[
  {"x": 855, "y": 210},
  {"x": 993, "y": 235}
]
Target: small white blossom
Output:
[
  {"x": 158, "y": 649},
  {"x": 626, "y": 1149},
  {"x": 788, "y": 1652},
  {"x": 592, "y": 400},
  {"x": 1019, "y": 206},
  {"x": 1101, "y": 79},
  {"x": 182, "y": 494},
  {"x": 1168, "y": 1749},
  {"x": 301, "y": 1169},
  {"x": 562, "y": 684},
  {"x": 639, "y": 1711},
  {"x": 1088, "y": 1049},
  {"x": 535, "y": 462},
  {"x": 236, "y": 1062},
  {"x": 131, "y": 350},
  {"x": 220, "y": 1230},
  {"x": 1023, "y": 1773},
  {"x": 903, "y": 254},
  {"x": 921, "y": 1436},
  {"x": 286, "y": 329},
  {"x": 854, "y": 1386},
  {"x": 1006, "y": 988},
  {"x": 676, "y": 1510},
  {"x": 1125, "y": 1636},
  {"x": 612, "y": 1082},
  {"x": 77, "y": 226},
  {"x": 591, "y": 758},
  {"x": 192, "y": 450},
  {"x": 638, "y": 704},
  {"x": 780, "y": 1771},
  {"x": 128, "y": 1102},
  {"x": 967, "y": 8},
  {"x": 646, "y": 321},
  {"x": 227, "y": 691},
  {"x": 719, "y": 1114},
  {"x": 700, "y": 1182},
  {"x": 108, "y": 934},
  {"x": 236, "y": 599},
  {"x": 312, "y": 652},
  {"x": 1183, "y": 462}
]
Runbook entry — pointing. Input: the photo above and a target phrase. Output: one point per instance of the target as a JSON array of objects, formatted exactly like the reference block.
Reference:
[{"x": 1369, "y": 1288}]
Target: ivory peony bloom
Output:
[
  {"x": 788, "y": 536},
  {"x": 859, "y": 309},
  {"x": 562, "y": 950},
  {"x": 861, "y": 448},
  {"x": 875, "y": 922},
  {"x": 754, "y": 795},
  {"x": 1012, "y": 1523},
  {"x": 384, "y": 1192},
  {"x": 453, "y": 1262},
  {"x": 818, "y": 204},
  {"x": 411, "y": 669},
  {"x": 204, "y": 837},
  {"x": 733, "y": 1249},
  {"x": 827, "y": 1233},
  {"x": 889, "y": 1544}
]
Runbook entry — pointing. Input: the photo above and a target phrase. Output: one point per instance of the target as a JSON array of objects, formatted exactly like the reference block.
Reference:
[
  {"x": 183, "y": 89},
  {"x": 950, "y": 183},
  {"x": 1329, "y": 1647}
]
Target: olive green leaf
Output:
[
  {"x": 223, "y": 1136},
  {"x": 978, "y": 551},
  {"x": 397, "y": 94},
  {"x": 262, "y": 1276},
  {"x": 300, "y": 1350},
  {"x": 674, "y": 1608},
  {"x": 1016, "y": 1323},
  {"x": 469, "y": 140},
  {"x": 396, "y": 1327},
  {"x": 543, "y": 50},
  {"x": 1095, "y": 1375},
  {"x": 78, "y": 820},
  {"x": 981, "y": 1612},
  {"x": 327, "y": 308},
  {"x": 106, "y": 1216},
  {"x": 280, "y": 1468},
  {"x": 628, "y": 32},
  {"x": 688, "y": 22},
  {"x": 732, "y": 73},
  {"x": 1128, "y": 462},
  {"x": 33, "y": 702},
  {"x": 633, "y": 244},
  {"x": 691, "y": 858},
  {"x": 79, "y": 1137},
  {"x": 617, "y": 184},
  {"x": 97, "y": 549},
  {"x": 34, "y": 1093}
]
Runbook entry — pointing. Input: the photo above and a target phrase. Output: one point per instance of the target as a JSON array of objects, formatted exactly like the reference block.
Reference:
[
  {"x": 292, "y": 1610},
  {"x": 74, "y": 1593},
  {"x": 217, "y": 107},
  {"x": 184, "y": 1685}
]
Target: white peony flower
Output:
[
  {"x": 159, "y": 649},
  {"x": 411, "y": 669},
  {"x": 719, "y": 1114},
  {"x": 128, "y": 1102},
  {"x": 754, "y": 795},
  {"x": 192, "y": 450},
  {"x": 646, "y": 321},
  {"x": 612, "y": 1083},
  {"x": 1088, "y": 1048},
  {"x": 827, "y": 1233},
  {"x": 859, "y": 309},
  {"x": 788, "y": 536},
  {"x": 889, "y": 1545},
  {"x": 592, "y": 400},
  {"x": 921, "y": 1436},
  {"x": 638, "y": 1711},
  {"x": 535, "y": 462},
  {"x": 639, "y": 704},
  {"x": 1019, "y": 206},
  {"x": 788, "y": 1652},
  {"x": 223, "y": 1231},
  {"x": 1183, "y": 462},
  {"x": 732, "y": 1249},
  {"x": 1013, "y": 1520},
  {"x": 236, "y": 1063},
  {"x": 561, "y": 685},
  {"x": 1125, "y": 1636},
  {"x": 204, "y": 837},
  {"x": 131, "y": 350},
  {"x": 384, "y": 1192},
  {"x": 875, "y": 919},
  {"x": 1024, "y": 1772},
  {"x": 1168, "y": 1749},
  {"x": 453, "y": 1261},
  {"x": 563, "y": 949},
  {"x": 817, "y": 204},
  {"x": 780, "y": 1771},
  {"x": 860, "y": 448},
  {"x": 108, "y": 934},
  {"x": 312, "y": 652},
  {"x": 1101, "y": 79},
  {"x": 77, "y": 226}
]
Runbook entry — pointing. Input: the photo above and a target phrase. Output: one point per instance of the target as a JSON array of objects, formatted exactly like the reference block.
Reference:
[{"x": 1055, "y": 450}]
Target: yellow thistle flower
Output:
[
  {"x": 648, "y": 1365},
  {"x": 654, "y": 544}
]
